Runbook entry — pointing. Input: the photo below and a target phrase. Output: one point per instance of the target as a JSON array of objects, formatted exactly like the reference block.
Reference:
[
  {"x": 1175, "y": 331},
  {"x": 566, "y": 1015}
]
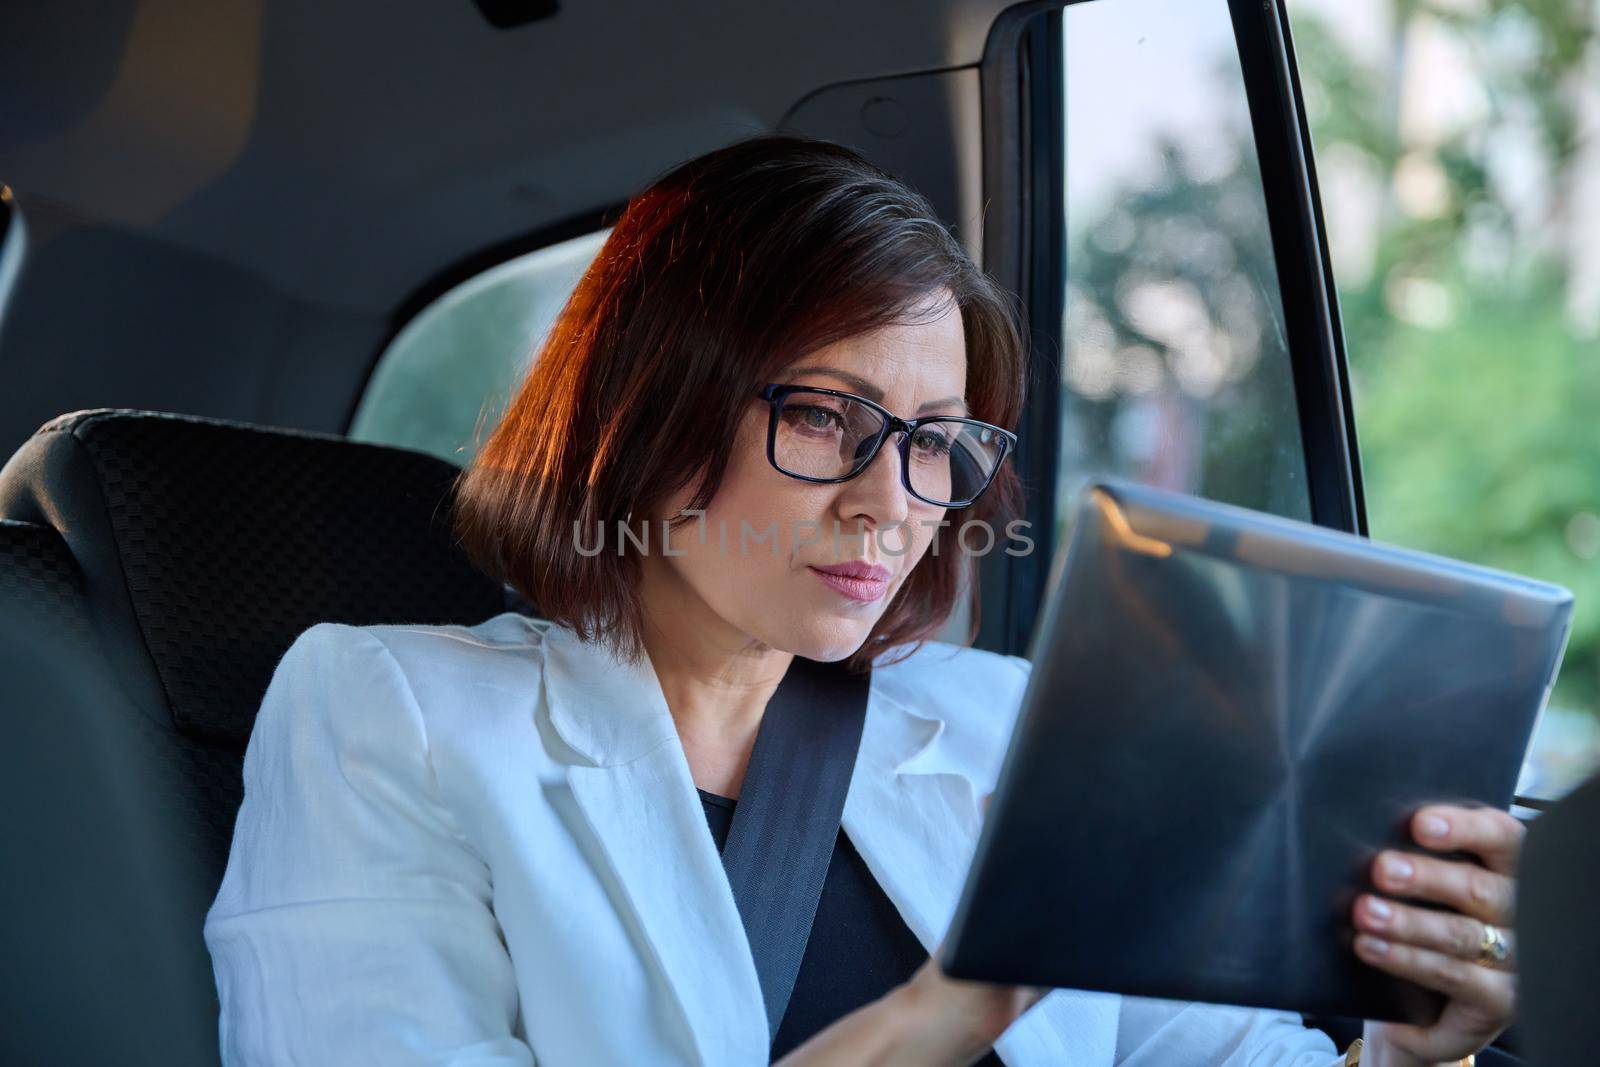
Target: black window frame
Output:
[{"x": 1023, "y": 76}]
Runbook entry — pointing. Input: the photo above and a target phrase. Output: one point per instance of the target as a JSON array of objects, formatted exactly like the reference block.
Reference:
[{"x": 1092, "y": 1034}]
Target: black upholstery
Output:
[
  {"x": 153, "y": 569},
  {"x": 1558, "y": 927}
]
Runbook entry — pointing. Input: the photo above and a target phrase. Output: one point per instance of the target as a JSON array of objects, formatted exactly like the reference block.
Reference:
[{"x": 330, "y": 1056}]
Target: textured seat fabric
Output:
[{"x": 153, "y": 569}]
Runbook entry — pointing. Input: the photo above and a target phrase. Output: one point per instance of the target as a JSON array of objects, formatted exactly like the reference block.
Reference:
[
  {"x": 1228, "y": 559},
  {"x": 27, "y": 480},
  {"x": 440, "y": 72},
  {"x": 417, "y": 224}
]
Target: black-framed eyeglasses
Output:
[{"x": 826, "y": 435}]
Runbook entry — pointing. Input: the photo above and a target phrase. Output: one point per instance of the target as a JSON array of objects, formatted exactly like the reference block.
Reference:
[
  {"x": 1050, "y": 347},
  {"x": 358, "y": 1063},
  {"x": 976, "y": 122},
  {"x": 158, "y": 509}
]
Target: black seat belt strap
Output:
[{"x": 787, "y": 817}]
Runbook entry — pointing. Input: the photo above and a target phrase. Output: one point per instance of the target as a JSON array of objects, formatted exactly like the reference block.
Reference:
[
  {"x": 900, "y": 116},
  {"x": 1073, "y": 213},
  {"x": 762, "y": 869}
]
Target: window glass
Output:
[
  {"x": 12, "y": 237},
  {"x": 1174, "y": 371},
  {"x": 1458, "y": 152},
  {"x": 458, "y": 361}
]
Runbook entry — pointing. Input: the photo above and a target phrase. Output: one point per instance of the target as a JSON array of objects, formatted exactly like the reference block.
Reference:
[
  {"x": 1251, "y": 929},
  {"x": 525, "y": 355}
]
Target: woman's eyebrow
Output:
[{"x": 870, "y": 391}]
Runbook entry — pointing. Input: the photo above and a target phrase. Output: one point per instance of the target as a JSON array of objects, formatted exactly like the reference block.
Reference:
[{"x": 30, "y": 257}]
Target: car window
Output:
[
  {"x": 1460, "y": 203},
  {"x": 1175, "y": 371},
  {"x": 11, "y": 240},
  {"x": 443, "y": 382}
]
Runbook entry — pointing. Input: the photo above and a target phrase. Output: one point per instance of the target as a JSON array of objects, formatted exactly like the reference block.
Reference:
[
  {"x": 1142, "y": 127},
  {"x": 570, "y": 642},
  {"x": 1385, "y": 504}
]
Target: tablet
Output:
[{"x": 1229, "y": 715}]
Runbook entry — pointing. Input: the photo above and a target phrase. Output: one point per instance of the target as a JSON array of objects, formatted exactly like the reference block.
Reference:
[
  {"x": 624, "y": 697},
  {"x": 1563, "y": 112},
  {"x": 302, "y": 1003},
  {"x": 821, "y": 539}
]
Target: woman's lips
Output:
[{"x": 870, "y": 586}]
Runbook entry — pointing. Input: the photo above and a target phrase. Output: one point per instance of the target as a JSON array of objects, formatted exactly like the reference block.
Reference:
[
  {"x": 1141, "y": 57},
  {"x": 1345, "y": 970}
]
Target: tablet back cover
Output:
[{"x": 1229, "y": 715}]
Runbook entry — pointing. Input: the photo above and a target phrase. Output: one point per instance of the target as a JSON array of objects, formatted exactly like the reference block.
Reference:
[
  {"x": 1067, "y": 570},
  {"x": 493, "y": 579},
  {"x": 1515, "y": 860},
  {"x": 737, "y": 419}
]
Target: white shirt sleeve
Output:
[
  {"x": 1173, "y": 1033},
  {"x": 353, "y": 925}
]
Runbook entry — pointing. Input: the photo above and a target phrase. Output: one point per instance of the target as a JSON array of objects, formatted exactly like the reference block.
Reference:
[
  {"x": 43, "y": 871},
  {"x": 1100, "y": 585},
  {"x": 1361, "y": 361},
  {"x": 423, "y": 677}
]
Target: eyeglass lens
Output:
[{"x": 819, "y": 435}]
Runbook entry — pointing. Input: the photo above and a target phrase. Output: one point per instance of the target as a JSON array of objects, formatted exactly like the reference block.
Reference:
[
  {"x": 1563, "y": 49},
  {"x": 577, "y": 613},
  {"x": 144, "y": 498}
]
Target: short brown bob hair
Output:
[{"x": 723, "y": 272}]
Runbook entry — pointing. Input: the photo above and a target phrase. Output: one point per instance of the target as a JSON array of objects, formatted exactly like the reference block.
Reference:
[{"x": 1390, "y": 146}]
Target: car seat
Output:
[{"x": 153, "y": 569}]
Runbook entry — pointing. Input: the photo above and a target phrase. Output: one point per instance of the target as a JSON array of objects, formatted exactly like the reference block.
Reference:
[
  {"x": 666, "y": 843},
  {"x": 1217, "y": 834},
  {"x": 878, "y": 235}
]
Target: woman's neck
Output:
[{"x": 716, "y": 681}]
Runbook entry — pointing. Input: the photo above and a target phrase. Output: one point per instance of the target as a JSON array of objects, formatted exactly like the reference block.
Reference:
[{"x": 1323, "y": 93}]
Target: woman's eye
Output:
[
  {"x": 813, "y": 418},
  {"x": 928, "y": 443}
]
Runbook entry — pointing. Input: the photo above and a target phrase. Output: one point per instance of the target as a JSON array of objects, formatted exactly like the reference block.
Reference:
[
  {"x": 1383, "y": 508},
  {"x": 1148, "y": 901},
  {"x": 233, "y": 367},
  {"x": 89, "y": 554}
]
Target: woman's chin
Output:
[{"x": 826, "y": 639}]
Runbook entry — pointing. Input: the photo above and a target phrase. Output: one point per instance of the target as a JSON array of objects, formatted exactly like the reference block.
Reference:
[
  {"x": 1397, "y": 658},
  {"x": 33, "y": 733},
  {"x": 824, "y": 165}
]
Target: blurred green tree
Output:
[
  {"x": 1476, "y": 411},
  {"x": 1477, "y": 398}
]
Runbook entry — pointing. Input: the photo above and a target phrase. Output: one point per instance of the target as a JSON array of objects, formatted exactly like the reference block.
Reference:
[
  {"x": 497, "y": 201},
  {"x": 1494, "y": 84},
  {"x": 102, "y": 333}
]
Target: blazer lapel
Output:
[
  {"x": 628, "y": 797},
  {"x": 913, "y": 814}
]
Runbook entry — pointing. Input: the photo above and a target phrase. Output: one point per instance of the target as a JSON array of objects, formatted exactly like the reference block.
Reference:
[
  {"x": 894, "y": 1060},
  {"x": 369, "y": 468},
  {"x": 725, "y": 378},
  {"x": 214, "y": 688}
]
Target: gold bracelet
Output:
[{"x": 1352, "y": 1056}]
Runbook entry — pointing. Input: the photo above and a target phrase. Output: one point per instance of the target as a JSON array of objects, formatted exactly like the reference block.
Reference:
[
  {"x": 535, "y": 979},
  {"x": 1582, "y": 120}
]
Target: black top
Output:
[{"x": 859, "y": 948}]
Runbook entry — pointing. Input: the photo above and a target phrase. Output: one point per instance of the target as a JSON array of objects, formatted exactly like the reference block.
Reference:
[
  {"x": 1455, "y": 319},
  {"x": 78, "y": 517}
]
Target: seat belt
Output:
[{"x": 786, "y": 820}]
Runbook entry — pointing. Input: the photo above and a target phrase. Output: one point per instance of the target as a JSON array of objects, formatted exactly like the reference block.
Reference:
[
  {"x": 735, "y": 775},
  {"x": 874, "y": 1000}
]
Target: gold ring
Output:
[{"x": 1494, "y": 948}]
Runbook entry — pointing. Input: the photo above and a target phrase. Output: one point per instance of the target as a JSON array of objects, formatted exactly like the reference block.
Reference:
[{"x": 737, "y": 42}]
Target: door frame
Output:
[{"x": 1024, "y": 136}]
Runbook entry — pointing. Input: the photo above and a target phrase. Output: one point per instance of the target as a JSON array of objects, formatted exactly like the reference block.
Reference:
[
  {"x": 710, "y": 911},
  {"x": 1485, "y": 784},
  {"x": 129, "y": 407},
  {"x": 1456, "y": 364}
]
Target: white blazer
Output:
[{"x": 482, "y": 845}]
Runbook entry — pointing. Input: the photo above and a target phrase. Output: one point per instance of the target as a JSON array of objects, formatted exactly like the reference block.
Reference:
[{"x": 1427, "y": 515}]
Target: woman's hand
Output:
[
  {"x": 930, "y": 1021},
  {"x": 949, "y": 1020},
  {"x": 954, "y": 1021},
  {"x": 1440, "y": 949}
]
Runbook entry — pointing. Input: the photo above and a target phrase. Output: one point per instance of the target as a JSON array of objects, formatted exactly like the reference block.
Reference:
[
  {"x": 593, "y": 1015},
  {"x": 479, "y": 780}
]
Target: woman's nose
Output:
[{"x": 878, "y": 493}]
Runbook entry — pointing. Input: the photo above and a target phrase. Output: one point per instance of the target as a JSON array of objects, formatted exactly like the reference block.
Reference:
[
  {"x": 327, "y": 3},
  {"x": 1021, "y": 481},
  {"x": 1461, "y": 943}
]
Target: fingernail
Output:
[
  {"x": 1379, "y": 911},
  {"x": 1375, "y": 945},
  {"x": 1397, "y": 868},
  {"x": 1434, "y": 827}
]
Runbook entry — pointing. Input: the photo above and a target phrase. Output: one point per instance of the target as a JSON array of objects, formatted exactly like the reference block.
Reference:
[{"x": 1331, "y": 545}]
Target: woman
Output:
[{"x": 489, "y": 844}]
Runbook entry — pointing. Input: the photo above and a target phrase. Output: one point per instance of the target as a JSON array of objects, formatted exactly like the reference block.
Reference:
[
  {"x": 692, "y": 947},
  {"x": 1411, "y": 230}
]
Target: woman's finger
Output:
[
  {"x": 1488, "y": 991},
  {"x": 1466, "y": 887},
  {"x": 1454, "y": 935},
  {"x": 1492, "y": 835}
]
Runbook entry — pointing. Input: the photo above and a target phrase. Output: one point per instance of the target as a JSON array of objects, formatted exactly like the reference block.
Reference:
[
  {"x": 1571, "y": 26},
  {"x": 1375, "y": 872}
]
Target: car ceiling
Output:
[
  {"x": 229, "y": 207},
  {"x": 346, "y": 152}
]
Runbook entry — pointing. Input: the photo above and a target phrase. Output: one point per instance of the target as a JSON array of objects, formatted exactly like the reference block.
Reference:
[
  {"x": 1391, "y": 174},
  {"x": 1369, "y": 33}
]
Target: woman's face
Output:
[{"x": 751, "y": 575}]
